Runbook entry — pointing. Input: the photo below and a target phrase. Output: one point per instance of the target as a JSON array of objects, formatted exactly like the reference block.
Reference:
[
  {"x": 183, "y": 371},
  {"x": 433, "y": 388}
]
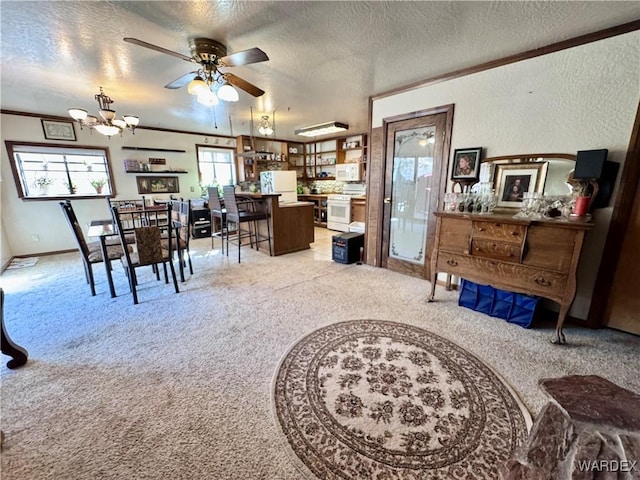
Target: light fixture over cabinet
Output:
[
  {"x": 264, "y": 127},
  {"x": 322, "y": 129},
  {"x": 107, "y": 124}
]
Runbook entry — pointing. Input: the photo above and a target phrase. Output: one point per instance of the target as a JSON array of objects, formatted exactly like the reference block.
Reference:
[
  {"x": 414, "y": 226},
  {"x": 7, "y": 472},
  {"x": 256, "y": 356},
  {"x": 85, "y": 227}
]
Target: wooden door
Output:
[
  {"x": 414, "y": 163},
  {"x": 623, "y": 307}
]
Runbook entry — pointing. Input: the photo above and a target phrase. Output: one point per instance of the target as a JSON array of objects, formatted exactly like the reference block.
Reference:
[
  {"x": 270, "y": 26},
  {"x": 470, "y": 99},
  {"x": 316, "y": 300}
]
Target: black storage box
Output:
[{"x": 345, "y": 247}]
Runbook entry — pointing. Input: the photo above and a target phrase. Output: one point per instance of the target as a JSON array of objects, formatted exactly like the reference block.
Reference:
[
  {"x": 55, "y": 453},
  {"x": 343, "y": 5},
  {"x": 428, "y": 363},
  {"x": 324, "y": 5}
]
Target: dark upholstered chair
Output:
[
  {"x": 180, "y": 214},
  {"x": 148, "y": 245},
  {"x": 89, "y": 252},
  {"x": 238, "y": 216},
  {"x": 218, "y": 215}
]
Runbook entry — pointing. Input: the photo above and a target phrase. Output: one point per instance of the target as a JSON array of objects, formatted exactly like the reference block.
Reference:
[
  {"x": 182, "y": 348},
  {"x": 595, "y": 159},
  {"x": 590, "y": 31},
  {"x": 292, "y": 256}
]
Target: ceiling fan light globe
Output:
[
  {"x": 208, "y": 98},
  {"x": 119, "y": 123},
  {"x": 196, "y": 86},
  {"x": 107, "y": 114},
  {"x": 227, "y": 93},
  {"x": 78, "y": 114},
  {"x": 91, "y": 120},
  {"x": 108, "y": 130},
  {"x": 265, "y": 130}
]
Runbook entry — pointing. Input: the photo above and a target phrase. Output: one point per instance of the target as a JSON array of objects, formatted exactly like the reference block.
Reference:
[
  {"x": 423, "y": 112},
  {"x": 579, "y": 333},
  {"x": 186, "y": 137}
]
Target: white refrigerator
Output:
[{"x": 283, "y": 182}]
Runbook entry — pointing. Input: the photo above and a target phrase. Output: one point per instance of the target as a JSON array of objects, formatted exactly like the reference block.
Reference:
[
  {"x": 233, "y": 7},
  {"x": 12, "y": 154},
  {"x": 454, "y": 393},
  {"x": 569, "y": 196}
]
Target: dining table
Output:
[{"x": 103, "y": 229}]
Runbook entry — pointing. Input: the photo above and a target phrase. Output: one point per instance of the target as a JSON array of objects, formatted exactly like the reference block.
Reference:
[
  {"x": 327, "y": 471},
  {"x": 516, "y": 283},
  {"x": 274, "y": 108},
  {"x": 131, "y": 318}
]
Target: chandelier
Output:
[
  {"x": 206, "y": 81},
  {"x": 107, "y": 124},
  {"x": 264, "y": 127}
]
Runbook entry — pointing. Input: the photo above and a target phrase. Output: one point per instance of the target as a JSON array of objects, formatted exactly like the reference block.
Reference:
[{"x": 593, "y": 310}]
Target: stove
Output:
[{"x": 339, "y": 206}]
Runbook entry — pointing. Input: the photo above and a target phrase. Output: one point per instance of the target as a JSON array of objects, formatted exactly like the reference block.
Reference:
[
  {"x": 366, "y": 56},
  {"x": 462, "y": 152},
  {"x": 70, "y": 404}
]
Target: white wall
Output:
[
  {"x": 23, "y": 219},
  {"x": 577, "y": 99}
]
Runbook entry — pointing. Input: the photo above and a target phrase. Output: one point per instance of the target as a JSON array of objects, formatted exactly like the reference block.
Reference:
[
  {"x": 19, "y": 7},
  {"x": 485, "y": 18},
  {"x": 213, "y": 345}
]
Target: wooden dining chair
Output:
[
  {"x": 218, "y": 215},
  {"x": 148, "y": 249},
  {"x": 239, "y": 212},
  {"x": 89, "y": 251},
  {"x": 180, "y": 215}
]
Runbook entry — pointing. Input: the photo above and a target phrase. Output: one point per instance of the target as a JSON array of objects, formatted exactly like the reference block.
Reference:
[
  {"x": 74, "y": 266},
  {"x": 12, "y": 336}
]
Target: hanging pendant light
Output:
[{"x": 108, "y": 124}]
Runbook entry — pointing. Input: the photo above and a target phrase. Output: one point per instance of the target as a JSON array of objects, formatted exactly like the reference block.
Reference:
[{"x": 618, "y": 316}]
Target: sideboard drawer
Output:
[
  {"x": 504, "y": 275},
  {"x": 509, "y": 252},
  {"x": 499, "y": 231},
  {"x": 455, "y": 235}
]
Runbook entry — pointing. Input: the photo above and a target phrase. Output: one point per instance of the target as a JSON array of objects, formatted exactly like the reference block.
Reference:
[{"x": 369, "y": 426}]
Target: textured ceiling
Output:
[{"x": 326, "y": 58}]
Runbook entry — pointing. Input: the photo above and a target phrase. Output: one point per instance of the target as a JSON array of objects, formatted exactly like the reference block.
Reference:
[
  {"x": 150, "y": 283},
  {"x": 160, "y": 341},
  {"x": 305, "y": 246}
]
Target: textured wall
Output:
[
  {"x": 22, "y": 219},
  {"x": 576, "y": 99}
]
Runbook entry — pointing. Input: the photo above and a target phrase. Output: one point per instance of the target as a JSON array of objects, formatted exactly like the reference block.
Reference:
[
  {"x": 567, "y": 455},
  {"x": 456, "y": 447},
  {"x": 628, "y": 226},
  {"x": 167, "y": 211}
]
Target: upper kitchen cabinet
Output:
[
  {"x": 255, "y": 155},
  {"x": 320, "y": 160},
  {"x": 353, "y": 149},
  {"x": 296, "y": 159}
]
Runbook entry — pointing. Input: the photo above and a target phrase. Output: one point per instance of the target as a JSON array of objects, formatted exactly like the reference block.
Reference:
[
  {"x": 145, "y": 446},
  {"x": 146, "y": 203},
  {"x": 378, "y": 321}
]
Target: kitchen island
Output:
[{"x": 291, "y": 223}]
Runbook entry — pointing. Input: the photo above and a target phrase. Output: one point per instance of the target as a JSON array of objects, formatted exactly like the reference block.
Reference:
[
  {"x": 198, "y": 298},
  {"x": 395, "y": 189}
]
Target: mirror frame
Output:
[{"x": 524, "y": 159}]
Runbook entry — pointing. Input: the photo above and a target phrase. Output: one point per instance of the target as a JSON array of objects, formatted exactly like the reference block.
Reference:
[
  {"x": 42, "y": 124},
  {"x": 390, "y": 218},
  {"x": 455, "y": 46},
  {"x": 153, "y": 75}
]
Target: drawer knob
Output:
[
  {"x": 543, "y": 282},
  {"x": 481, "y": 229},
  {"x": 452, "y": 262},
  {"x": 514, "y": 233}
]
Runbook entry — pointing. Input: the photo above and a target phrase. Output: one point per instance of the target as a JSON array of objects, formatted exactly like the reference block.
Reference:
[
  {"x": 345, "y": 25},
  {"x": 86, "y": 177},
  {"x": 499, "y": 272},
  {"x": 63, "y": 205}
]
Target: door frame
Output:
[{"x": 387, "y": 168}]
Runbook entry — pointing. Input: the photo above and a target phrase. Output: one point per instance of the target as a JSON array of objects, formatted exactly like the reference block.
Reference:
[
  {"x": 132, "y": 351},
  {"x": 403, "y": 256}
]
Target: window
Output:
[
  {"x": 216, "y": 166},
  {"x": 44, "y": 171}
]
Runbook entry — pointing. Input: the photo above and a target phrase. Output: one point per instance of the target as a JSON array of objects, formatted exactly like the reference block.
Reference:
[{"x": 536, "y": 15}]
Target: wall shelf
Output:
[
  {"x": 164, "y": 172},
  {"x": 150, "y": 149}
]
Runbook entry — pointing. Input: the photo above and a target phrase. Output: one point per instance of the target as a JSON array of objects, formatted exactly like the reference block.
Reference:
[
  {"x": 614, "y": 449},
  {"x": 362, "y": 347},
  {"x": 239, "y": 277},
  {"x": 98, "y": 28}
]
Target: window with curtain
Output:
[
  {"x": 43, "y": 171},
  {"x": 216, "y": 166}
]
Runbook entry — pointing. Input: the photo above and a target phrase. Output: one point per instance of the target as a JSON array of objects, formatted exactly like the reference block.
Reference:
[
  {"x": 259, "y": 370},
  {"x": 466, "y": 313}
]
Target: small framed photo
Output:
[
  {"x": 157, "y": 184},
  {"x": 513, "y": 180},
  {"x": 55, "y": 130},
  {"x": 466, "y": 164}
]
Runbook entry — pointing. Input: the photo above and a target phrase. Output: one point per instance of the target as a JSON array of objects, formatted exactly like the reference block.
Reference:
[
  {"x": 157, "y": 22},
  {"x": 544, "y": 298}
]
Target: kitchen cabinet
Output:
[
  {"x": 320, "y": 160},
  {"x": 321, "y": 157},
  {"x": 319, "y": 208},
  {"x": 257, "y": 155},
  {"x": 359, "y": 209},
  {"x": 296, "y": 159},
  {"x": 353, "y": 149},
  {"x": 534, "y": 257}
]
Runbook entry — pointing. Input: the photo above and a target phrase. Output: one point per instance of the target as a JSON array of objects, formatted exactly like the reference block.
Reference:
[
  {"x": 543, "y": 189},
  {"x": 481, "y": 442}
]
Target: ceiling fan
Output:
[{"x": 212, "y": 55}]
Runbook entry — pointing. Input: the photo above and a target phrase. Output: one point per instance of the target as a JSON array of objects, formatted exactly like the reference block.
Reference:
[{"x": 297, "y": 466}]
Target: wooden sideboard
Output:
[{"x": 534, "y": 257}]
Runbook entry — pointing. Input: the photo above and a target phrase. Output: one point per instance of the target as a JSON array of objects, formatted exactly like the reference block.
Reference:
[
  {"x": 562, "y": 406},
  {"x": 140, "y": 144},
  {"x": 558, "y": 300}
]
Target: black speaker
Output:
[
  {"x": 589, "y": 164},
  {"x": 606, "y": 182},
  {"x": 593, "y": 165}
]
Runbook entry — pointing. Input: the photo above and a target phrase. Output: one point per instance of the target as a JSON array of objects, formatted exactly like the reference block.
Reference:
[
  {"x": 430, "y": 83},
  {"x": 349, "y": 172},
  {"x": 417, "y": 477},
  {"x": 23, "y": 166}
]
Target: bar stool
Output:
[
  {"x": 217, "y": 212},
  {"x": 237, "y": 216}
]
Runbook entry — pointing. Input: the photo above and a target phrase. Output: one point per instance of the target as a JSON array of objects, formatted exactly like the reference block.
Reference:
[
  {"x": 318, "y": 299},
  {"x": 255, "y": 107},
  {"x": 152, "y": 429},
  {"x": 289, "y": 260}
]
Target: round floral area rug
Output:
[{"x": 370, "y": 399}]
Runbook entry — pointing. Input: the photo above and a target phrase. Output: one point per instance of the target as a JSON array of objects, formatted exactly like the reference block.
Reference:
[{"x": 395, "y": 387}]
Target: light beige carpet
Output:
[{"x": 179, "y": 386}]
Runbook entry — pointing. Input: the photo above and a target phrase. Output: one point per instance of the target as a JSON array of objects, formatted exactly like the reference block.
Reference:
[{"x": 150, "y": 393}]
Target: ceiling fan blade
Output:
[
  {"x": 243, "y": 84},
  {"x": 182, "y": 81},
  {"x": 140, "y": 43},
  {"x": 245, "y": 57}
]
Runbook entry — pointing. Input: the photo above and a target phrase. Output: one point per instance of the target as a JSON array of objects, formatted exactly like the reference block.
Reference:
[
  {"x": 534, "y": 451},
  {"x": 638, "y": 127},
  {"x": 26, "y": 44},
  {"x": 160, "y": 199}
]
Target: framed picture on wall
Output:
[
  {"x": 466, "y": 164},
  {"x": 512, "y": 181},
  {"x": 54, "y": 130},
  {"x": 147, "y": 185}
]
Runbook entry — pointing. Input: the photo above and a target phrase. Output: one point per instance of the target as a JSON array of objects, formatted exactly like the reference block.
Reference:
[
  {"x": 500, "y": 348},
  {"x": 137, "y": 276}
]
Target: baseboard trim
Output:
[{"x": 41, "y": 254}]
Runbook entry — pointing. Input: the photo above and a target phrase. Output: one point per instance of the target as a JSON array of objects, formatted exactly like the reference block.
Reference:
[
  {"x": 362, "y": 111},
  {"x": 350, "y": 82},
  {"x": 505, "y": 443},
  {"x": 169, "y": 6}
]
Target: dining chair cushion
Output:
[
  {"x": 149, "y": 248},
  {"x": 115, "y": 252}
]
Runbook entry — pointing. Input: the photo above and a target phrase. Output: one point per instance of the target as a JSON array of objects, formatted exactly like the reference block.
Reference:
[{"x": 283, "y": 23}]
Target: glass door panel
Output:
[{"x": 411, "y": 193}]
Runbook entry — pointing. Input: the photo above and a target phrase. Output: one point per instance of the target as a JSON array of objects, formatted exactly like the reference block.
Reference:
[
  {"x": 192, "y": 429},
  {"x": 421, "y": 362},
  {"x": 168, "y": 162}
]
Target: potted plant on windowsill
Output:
[
  {"x": 71, "y": 187},
  {"x": 43, "y": 183},
  {"x": 98, "y": 184}
]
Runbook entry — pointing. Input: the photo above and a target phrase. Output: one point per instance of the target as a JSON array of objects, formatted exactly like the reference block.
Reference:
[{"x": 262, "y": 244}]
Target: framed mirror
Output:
[{"x": 512, "y": 175}]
